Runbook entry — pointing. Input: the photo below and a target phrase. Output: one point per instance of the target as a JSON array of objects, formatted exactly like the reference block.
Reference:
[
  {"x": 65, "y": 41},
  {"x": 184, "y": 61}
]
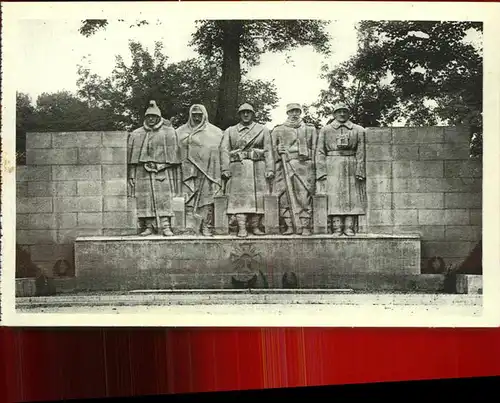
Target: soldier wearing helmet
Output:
[
  {"x": 294, "y": 143},
  {"x": 341, "y": 171},
  {"x": 247, "y": 166},
  {"x": 153, "y": 171}
]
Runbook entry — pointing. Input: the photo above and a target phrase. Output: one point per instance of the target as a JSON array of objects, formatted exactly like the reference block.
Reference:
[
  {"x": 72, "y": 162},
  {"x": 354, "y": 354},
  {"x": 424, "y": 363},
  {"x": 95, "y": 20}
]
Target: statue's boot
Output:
[
  {"x": 255, "y": 223},
  {"x": 166, "y": 226},
  {"x": 148, "y": 227},
  {"x": 349, "y": 226},
  {"x": 289, "y": 226},
  {"x": 337, "y": 226},
  {"x": 241, "y": 219},
  {"x": 306, "y": 226}
]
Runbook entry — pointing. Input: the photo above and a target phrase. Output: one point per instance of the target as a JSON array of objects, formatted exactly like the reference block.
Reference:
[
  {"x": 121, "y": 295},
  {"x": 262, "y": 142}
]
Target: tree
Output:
[
  {"x": 235, "y": 45},
  {"x": 238, "y": 44},
  {"x": 174, "y": 86},
  {"x": 434, "y": 71}
]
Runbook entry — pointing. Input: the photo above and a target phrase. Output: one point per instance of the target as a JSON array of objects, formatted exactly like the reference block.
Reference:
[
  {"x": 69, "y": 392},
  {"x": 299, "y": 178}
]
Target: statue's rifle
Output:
[{"x": 289, "y": 192}]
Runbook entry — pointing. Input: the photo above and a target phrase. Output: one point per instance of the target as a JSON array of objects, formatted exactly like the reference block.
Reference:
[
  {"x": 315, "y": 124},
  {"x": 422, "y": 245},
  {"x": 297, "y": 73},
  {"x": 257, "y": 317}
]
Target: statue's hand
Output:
[
  {"x": 360, "y": 178},
  {"x": 281, "y": 149},
  {"x": 270, "y": 175},
  {"x": 150, "y": 167},
  {"x": 226, "y": 175},
  {"x": 131, "y": 182}
]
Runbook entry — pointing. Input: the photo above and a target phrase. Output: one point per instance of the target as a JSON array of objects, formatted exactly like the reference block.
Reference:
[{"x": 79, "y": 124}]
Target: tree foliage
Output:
[
  {"x": 233, "y": 46},
  {"x": 417, "y": 73}
]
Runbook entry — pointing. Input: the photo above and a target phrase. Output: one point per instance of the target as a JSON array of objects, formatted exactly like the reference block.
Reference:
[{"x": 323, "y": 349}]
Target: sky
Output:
[{"x": 50, "y": 50}]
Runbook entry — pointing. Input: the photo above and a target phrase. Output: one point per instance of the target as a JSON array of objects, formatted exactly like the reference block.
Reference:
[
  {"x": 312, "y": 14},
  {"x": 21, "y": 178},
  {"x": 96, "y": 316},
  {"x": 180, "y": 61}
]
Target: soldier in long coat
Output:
[
  {"x": 201, "y": 180},
  {"x": 247, "y": 167},
  {"x": 153, "y": 171},
  {"x": 295, "y": 141},
  {"x": 341, "y": 171}
]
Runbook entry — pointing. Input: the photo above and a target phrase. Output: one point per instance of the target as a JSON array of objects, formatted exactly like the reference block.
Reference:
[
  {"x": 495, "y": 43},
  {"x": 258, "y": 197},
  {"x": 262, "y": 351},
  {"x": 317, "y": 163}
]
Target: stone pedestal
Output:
[
  {"x": 320, "y": 218},
  {"x": 221, "y": 224},
  {"x": 193, "y": 262},
  {"x": 271, "y": 216}
]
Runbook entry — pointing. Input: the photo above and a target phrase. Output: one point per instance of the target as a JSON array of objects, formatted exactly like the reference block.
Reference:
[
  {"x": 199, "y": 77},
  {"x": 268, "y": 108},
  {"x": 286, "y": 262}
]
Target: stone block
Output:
[
  {"x": 381, "y": 217},
  {"x": 66, "y": 156},
  {"x": 33, "y": 173},
  {"x": 68, "y": 236},
  {"x": 456, "y": 134},
  {"x": 378, "y": 135},
  {"x": 179, "y": 208},
  {"x": 476, "y": 217},
  {"x": 76, "y": 172},
  {"x": 429, "y": 185},
  {"x": 26, "y": 205},
  {"x": 48, "y": 189},
  {"x": 114, "y": 139},
  {"x": 415, "y": 135},
  {"x": 320, "y": 215},
  {"x": 78, "y": 204},
  {"x": 462, "y": 200},
  {"x": 90, "y": 188},
  {"x": 36, "y": 237},
  {"x": 401, "y": 185},
  {"x": 110, "y": 172},
  {"x": 90, "y": 156},
  {"x": 134, "y": 262},
  {"x": 46, "y": 221},
  {"x": 469, "y": 284},
  {"x": 271, "y": 214},
  {"x": 90, "y": 220},
  {"x": 25, "y": 287},
  {"x": 52, "y": 253},
  {"x": 22, "y": 189},
  {"x": 380, "y": 229},
  {"x": 444, "y": 151},
  {"x": 114, "y": 155},
  {"x": 378, "y": 184},
  {"x": 463, "y": 169},
  {"x": 431, "y": 217},
  {"x": 115, "y": 203},
  {"x": 421, "y": 169},
  {"x": 77, "y": 140},
  {"x": 378, "y": 169},
  {"x": 457, "y": 217},
  {"x": 117, "y": 187},
  {"x": 426, "y": 232},
  {"x": 38, "y": 140},
  {"x": 405, "y": 152},
  {"x": 463, "y": 233},
  {"x": 446, "y": 249},
  {"x": 116, "y": 220},
  {"x": 405, "y": 217},
  {"x": 378, "y": 152},
  {"x": 418, "y": 200},
  {"x": 379, "y": 201}
]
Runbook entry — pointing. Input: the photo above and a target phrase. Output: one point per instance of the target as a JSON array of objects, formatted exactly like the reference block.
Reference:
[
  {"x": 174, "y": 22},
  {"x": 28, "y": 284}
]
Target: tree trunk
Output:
[{"x": 227, "y": 100}]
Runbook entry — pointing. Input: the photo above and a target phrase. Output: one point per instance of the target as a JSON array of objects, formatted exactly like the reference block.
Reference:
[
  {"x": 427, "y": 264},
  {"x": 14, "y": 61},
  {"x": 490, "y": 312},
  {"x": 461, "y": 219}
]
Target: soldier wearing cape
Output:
[
  {"x": 199, "y": 146},
  {"x": 153, "y": 171}
]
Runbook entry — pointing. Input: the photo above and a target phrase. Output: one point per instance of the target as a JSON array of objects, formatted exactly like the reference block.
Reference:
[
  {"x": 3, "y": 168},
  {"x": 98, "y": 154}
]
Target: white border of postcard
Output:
[{"x": 258, "y": 315}]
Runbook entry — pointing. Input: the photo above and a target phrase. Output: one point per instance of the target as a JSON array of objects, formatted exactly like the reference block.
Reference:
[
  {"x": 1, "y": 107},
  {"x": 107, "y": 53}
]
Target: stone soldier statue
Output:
[
  {"x": 247, "y": 166},
  {"x": 294, "y": 142},
  {"x": 341, "y": 170},
  {"x": 153, "y": 171},
  {"x": 201, "y": 180}
]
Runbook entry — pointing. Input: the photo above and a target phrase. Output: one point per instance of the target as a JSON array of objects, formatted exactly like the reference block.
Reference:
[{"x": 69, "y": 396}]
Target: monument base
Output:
[{"x": 364, "y": 262}]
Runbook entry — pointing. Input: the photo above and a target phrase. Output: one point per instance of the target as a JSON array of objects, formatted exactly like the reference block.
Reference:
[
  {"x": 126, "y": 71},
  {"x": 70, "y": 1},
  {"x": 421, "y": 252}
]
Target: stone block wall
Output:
[
  {"x": 73, "y": 184},
  {"x": 419, "y": 180}
]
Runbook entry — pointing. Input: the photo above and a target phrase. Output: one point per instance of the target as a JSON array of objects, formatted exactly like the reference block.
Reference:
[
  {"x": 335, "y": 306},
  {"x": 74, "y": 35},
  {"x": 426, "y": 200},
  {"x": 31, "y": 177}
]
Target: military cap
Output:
[
  {"x": 246, "y": 107},
  {"x": 340, "y": 105},
  {"x": 153, "y": 109},
  {"x": 291, "y": 106}
]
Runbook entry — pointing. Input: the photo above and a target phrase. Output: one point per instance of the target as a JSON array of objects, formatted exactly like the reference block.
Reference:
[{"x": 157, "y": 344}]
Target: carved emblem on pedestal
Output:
[{"x": 247, "y": 267}]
